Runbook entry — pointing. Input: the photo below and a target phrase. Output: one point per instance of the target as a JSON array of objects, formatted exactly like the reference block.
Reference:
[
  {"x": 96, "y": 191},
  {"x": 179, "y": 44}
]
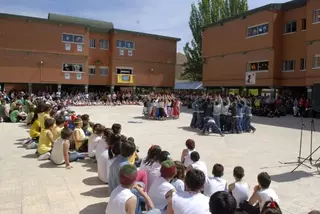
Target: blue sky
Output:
[{"x": 164, "y": 17}]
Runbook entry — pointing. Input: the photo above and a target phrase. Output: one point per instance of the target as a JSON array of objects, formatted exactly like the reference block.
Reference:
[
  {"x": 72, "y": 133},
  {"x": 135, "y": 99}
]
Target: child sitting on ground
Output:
[
  {"x": 197, "y": 164},
  {"x": 60, "y": 151},
  {"x": 215, "y": 183},
  {"x": 134, "y": 159},
  {"x": 271, "y": 207},
  {"x": 240, "y": 188},
  {"x": 80, "y": 139},
  {"x": 46, "y": 140},
  {"x": 93, "y": 141},
  {"x": 86, "y": 125},
  {"x": 58, "y": 127},
  {"x": 35, "y": 131},
  {"x": 185, "y": 156},
  {"x": 178, "y": 180}
]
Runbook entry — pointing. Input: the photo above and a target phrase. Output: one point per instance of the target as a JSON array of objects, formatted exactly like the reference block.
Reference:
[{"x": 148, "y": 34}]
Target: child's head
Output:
[
  {"x": 222, "y": 202},
  {"x": 180, "y": 170},
  {"x": 98, "y": 129},
  {"x": 127, "y": 174},
  {"x": 127, "y": 149},
  {"x": 195, "y": 156},
  {"x": 163, "y": 156},
  {"x": 78, "y": 122},
  {"x": 85, "y": 119},
  {"x": 168, "y": 169},
  {"x": 47, "y": 108},
  {"x": 153, "y": 153},
  {"x": 238, "y": 173},
  {"x": 49, "y": 123},
  {"x": 271, "y": 207},
  {"x": 131, "y": 139},
  {"x": 53, "y": 113},
  {"x": 264, "y": 180},
  {"x": 116, "y": 148},
  {"x": 195, "y": 180},
  {"x": 217, "y": 170},
  {"x": 60, "y": 121},
  {"x": 190, "y": 144},
  {"x": 123, "y": 138},
  {"x": 66, "y": 133},
  {"x": 107, "y": 134},
  {"x": 116, "y": 128}
]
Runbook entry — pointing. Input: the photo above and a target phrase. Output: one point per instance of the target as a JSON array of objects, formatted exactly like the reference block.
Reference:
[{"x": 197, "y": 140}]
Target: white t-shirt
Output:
[
  {"x": 187, "y": 159},
  {"x": 57, "y": 156},
  {"x": 118, "y": 199},
  {"x": 267, "y": 195},
  {"x": 190, "y": 203},
  {"x": 157, "y": 192},
  {"x": 92, "y": 144},
  {"x": 200, "y": 166},
  {"x": 153, "y": 173},
  {"x": 101, "y": 146},
  {"x": 213, "y": 185},
  {"x": 178, "y": 185},
  {"x": 103, "y": 170},
  {"x": 240, "y": 192}
]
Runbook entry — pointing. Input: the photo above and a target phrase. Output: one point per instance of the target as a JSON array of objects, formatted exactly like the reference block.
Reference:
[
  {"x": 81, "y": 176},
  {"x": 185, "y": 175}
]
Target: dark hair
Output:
[
  {"x": 85, "y": 117},
  {"x": 116, "y": 128},
  {"x": 46, "y": 107},
  {"x": 49, "y": 122},
  {"x": 127, "y": 149},
  {"x": 114, "y": 139},
  {"x": 217, "y": 170},
  {"x": 194, "y": 156},
  {"x": 180, "y": 170},
  {"x": 99, "y": 129},
  {"x": 314, "y": 212},
  {"x": 53, "y": 113},
  {"x": 222, "y": 202},
  {"x": 60, "y": 120},
  {"x": 66, "y": 133},
  {"x": 271, "y": 207},
  {"x": 238, "y": 172},
  {"x": 153, "y": 153},
  {"x": 190, "y": 144},
  {"x": 107, "y": 134},
  {"x": 116, "y": 149},
  {"x": 264, "y": 180},
  {"x": 163, "y": 156},
  {"x": 131, "y": 139},
  {"x": 95, "y": 126},
  {"x": 195, "y": 180},
  {"x": 123, "y": 138}
]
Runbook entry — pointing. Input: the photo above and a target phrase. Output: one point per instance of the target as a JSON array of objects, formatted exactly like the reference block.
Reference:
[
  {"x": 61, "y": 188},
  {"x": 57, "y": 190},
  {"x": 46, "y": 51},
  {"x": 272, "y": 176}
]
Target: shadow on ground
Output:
[
  {"x": 291, "y": 176},
  {"x": 92, "y": 181},
  {"x": 95, "y": 208},
  {"x": 89, "y": 164},
  {"x": 99, "y": 192},
  {"x": 50, "y": 165},
  {"x": 30, "y": 156}
]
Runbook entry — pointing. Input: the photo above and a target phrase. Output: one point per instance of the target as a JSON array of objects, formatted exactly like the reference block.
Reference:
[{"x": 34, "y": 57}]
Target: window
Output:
[
  {"x": 104, "y": 71},
  {"x": 258, "y": 30},
  {"x": 72, "y": 38},
  {"x": 316, "y": 16},
  {"x": 291, "y": 27},
  {"x": 316, "y": 62},
  {"x": 258, "y": 66},
  {"x": 124, "y": 71},
  {"x": 288, "y": 65},
  {"x": 303, "y": 64},
  {"x": 67, "y": 37},
  {"x": 125, "y": 44},
  {"x": 92, "y": 70},
  {"x": 304, "y": 24},
  {"x": 104, "y": 44},
  {"x": 72, "y": 67},
  {"x": 78, "y": 39},
  {"x": 92, "y": 43}
]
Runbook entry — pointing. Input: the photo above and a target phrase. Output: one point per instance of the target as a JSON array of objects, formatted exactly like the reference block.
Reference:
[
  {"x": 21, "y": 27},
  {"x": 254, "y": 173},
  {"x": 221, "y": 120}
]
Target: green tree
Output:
[{"x": 203, "y": 13}]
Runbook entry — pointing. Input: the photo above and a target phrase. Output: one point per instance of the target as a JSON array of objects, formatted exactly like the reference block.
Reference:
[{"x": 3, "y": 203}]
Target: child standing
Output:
[{"x": 46, "y": 139}]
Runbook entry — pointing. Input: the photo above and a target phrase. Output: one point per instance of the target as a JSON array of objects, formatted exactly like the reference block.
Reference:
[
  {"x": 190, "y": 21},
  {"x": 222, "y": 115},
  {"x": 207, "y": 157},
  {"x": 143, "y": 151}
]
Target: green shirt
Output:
[{"x": 14, "y": 116}]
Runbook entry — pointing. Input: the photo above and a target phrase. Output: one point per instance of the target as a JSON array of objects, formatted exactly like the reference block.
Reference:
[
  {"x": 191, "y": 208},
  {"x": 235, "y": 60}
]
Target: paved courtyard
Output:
[{"x": 30, "y": 186}]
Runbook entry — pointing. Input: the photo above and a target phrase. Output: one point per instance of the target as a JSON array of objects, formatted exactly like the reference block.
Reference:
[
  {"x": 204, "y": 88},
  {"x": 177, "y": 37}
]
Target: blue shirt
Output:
[{"x": 114, "y": 178}]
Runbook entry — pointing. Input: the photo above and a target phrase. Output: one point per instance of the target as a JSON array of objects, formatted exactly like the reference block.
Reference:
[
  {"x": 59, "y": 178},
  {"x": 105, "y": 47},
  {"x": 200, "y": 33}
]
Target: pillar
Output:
[
  {"x": 259, "y": 91},
  {"x": 134, "y": 89},
  {"x": 273, "y": 93},
  {"x": 154, "y": 88},
  {"x": 59, "y": 88},
  {"x": 309, "y": 92},
  {"x": 86, "y": 89},
  {"x": 29, "y": 88},
  {"x": 112, "y": 89}
]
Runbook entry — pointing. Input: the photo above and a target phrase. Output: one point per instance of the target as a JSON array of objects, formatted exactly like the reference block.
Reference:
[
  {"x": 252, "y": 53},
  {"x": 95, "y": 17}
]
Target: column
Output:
[
  {"x": 29, "y": 88},
  {"x": 259, "y": 91},
  {"x": 223, "y": 91},
  {"x": 59, "y": 88},
  {"x": 309, "y": 92},
  {"x": 112, "y": 89},
  {"x": 273, "y": 92},
  {"x": 154, "y": 88},
  {"x": 134, "y": 89},
  {"x": 245, "y": 92},
  {"x": 86, "y": 87}
]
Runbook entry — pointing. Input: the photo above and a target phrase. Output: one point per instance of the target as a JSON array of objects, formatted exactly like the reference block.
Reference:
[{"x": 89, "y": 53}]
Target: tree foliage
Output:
[{"x": 203, "y": 13}]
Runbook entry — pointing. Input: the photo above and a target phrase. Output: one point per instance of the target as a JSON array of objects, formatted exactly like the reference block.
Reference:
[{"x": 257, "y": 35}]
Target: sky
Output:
[{"x": 163, "y": 17}]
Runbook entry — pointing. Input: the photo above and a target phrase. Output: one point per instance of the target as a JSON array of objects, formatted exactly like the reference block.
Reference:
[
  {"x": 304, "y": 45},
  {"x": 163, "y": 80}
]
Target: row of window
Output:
[
  {"x": 73, "y": 38},
  {"x": 104, "y": 71},
  {"x": 125, "y": 44},
  {"x": 103, "y": 44},
  {"x": 289, "y": 27}
]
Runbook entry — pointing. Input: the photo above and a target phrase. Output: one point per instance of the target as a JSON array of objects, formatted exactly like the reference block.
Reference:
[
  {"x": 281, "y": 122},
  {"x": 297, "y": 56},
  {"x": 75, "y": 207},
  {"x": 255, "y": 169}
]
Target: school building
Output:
[
  {"x": 71, "y": 52},
  {"x": 276, "y": 46}
]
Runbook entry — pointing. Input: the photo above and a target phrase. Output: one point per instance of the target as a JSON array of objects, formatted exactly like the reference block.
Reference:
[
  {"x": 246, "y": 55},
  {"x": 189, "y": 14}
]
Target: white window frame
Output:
[
  {"x": 258, "y": 71},
  {"x": 313, "y": 16},
  {"x": 266, "y": 23},
  {"x": 94, "y": 43},
  {"x": 104, "y": 67},
  {"x": 73, "y": 35},
  {"x": 74, "y": 72},
  {"x": 313, "y": 62},
  {"x": 92, "y": 67},
  {"x": 125, "y": 68},
  {"x": 290, "y": 22},
  {"x": 107, "y": 43},
  {"x": 291, "y": 70},
  {"x": 305, "y": 64}
]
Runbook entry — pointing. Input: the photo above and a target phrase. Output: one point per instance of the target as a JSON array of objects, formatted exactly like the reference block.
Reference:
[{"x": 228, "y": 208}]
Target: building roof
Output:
[
  {"x": 93, "y": 25},
  {"x": 290, "y": 5},
  {"x": 188, "y": 86}
]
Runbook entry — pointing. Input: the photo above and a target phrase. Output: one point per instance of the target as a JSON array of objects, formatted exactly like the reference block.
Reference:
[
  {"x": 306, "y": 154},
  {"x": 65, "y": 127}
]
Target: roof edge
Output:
[{"x": 146, "y": 34}]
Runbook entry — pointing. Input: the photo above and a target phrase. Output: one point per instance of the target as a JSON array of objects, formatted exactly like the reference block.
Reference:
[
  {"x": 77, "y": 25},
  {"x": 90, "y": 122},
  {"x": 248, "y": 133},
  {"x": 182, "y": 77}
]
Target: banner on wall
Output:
[
  {"x": 125, "y": 78},
  {"x": 250, "y": 78}
]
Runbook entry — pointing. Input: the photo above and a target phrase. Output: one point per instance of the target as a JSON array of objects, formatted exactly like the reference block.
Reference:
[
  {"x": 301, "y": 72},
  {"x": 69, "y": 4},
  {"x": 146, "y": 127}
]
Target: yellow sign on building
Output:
[{"x": 125, "y": 78}]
